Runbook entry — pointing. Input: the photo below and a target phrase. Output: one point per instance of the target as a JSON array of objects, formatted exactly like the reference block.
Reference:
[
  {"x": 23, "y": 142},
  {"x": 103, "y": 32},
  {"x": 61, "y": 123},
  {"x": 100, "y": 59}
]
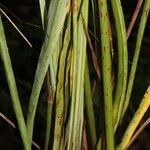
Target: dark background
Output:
[{"x": 24, "y": 60}]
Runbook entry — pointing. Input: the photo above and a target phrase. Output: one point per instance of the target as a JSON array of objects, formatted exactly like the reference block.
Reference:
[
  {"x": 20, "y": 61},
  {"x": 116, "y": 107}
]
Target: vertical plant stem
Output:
[
  {"x": 67, "y": 83},
  {"x": 52, "y": 73},
  {"x": 106, "y": 65},
  {"x": 122, "y": 61},
  {"x": 144, "y": 18},
  {"x": 13, "y": 89},
  {"x": 145, "y": 104},
  {"x": 55, "y": 25},
  {"x": 89, "y": 106},
  {"x": 78, "y": 68},
  {"x": 43, "y": 9},
  {"x": 134, "y": 17},
  {"x": 48, "y": 124},
  {"x": 49, "y": 112},
  {"x": 146, "y": 123},
  {"x": 73, "y": 73},
  {"x": 60, "y": 101},
  {"x": 81, "y": 55}
]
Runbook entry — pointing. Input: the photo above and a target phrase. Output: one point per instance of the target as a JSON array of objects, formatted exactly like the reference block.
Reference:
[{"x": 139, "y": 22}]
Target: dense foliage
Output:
[{"x": 75, "y": 79}]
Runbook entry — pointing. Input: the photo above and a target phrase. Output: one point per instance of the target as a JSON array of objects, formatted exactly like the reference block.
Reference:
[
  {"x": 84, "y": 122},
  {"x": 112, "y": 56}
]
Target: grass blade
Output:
[
  {"x": 106, "y": 64},
  {"x": 89, "y": 107},
  {"x": 144, "y": 18},
  {"x": 134, "y": 17},
  {"x": 13, "y": 88},
  {"x": 145, "y": 104},
  {"x": 122, "y": 61},
  {"x": 60, "y": 101},
  {"x": 43, "y": 10},
  {"x": 55, "y": 26},
  {"x": 73, "y": 73},
  {"x": 77, "y": 73},
  {"x": 146, "y": 123}
]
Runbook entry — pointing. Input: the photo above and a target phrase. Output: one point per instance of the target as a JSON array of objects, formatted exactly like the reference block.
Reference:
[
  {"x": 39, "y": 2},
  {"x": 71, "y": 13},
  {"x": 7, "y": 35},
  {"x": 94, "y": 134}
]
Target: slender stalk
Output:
[
  {"x": 73, "y": 73},
  {"x": 81, "y": 57},
  {"x": 60, "y": 101},
  {"x": 52, "y": 73},
  {"x": 78, "y": 68},
  {"x": 55, "y": 25},
  {"x": 89, "y": 107},
  {"x": 143, "y": 21},
  {"x": 81, "y": 113},
  {"x": 146, "y": 123},
  {"x": 145, "y": 104},
  {"x": 49, "y": 112},
  {"x": 43, "y": 9},
  {"x": 48, "y": 124},
  {"x": 122, "y": 61},
  {"x": 67, "y": 89},
  {"x": 134, "y": 17},
  {"x": 95, "y": 62},
  {"x": 106, "y": 65},
  {"x": 13, "y": 88},
  {"x": 78, "y": 122}
]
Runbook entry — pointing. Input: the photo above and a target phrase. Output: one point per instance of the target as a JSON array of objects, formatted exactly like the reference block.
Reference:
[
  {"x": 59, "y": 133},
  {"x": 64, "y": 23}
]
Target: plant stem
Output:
[
  {"x": 49, "y": 112},
  {"x": 43, "y": 10},
  {"x": 55, "y": 25},
  {"x": 106, "y": 65},
  {"x": 122, "y": 61},
  {"x": 13, "y": 88},
  {"x": 144, "y": 18},
  {"x": 73, "y": 73},
  {"x": 89, "y": 106},
  {"x": 60, "y": 101},
  {"x": 136, "y": 119},
  {"x": 48, "y": 124},
  {"x": 134, "y": 17},
  {"x": 81, "y": 57},
  {"x": 146, "y": 123}
]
